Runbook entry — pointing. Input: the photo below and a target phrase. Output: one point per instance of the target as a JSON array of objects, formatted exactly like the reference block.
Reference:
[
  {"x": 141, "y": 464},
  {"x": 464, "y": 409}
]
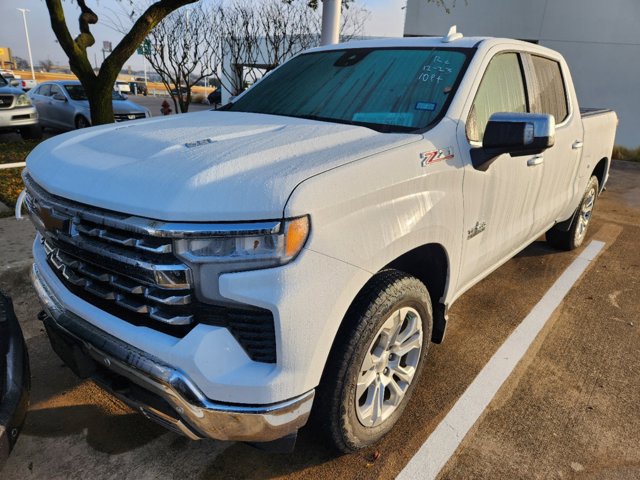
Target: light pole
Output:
[
  {"x": 26, "y": 32},
  {"x": 330, "y": 22}
]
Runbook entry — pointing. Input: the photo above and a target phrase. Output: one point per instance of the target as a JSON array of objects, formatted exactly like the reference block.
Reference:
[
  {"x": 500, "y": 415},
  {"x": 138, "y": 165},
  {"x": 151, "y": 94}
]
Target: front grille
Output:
[
  {"x": 6, "y": 101},
  {"x": 123, "y": 117},
  {"x": 104, "y": 258}
]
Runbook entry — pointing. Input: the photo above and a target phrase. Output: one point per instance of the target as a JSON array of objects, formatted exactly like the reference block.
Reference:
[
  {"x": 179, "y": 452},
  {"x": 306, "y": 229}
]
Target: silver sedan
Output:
[{"x": 63, "y": 104}]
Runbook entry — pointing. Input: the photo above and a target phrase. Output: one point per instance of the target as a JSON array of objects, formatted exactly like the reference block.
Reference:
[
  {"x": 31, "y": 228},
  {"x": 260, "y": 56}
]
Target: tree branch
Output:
[
  {"x": 77, "y": 55},
  {"x": 146, "y": 22},
  {"x": 85, "y": 39}
]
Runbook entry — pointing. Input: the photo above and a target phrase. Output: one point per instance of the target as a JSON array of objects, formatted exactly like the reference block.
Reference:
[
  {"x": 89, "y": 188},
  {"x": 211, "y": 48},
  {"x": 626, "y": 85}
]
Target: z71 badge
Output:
[{"x": 436, "y": 156}]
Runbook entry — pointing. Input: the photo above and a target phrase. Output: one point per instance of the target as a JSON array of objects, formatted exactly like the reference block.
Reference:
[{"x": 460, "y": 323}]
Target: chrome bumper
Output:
[
  {"x": 18, "y": 117},
  {"x": 157, "y": 390}
]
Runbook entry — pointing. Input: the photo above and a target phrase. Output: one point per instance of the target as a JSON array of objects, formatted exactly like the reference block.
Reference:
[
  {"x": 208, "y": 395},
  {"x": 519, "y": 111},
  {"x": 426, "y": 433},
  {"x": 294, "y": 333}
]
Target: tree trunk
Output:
[
  {"x": 100, "y": 101},
  {"x": 184, "y": 104}
]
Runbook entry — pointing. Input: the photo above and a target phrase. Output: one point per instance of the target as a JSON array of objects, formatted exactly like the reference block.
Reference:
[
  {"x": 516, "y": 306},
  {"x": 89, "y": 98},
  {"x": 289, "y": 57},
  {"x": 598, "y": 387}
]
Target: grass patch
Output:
[
  {"x": 10, "y": 180},
  {"x": 624, "y": 153}
]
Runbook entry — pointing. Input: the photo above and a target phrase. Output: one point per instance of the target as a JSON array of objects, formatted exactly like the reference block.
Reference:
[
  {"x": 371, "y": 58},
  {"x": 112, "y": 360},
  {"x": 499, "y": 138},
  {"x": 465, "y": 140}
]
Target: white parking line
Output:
[
  {"x": 5, "y": 166},
  {"x": 445, "y": 439}
]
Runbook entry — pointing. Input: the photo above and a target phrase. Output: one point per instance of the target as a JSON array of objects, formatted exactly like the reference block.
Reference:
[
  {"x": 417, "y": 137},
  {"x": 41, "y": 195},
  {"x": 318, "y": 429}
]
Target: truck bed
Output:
[{"x": 589, "y": 112}]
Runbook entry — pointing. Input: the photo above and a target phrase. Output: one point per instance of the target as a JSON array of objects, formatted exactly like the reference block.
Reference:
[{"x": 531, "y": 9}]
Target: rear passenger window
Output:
[
  {"x": 549, "y": 95},
  {"x": 501, "y": 90}
]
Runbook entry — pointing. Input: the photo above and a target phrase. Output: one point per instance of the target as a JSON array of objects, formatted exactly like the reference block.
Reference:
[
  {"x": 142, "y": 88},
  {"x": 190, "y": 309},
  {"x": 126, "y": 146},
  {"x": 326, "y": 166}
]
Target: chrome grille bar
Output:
[{"x": 123, "y": 291}]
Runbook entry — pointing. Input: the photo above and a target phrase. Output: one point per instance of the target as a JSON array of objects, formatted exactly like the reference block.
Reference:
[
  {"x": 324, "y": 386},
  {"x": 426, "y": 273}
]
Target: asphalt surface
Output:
[{"x": 571, "y": 409}]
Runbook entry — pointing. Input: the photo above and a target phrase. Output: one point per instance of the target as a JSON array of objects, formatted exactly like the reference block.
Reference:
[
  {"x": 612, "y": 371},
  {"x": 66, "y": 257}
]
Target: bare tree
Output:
[
  {"x": 352, "y": 24},
  {"x": 20, "y": 63},
  {"x": 286, "y": 29},
  {"x": 99, "y": 86},
  {"x": 185, "y": 49},
  {"x": 240, "y": 43},
  {"x": 46, "y": 65},
  {"x": 259, "y": 36}
]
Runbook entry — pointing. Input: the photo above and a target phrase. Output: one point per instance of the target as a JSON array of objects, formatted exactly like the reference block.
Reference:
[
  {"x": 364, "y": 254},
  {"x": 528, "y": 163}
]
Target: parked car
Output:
[
  {"x": 122, "y": 87},
  {"x": 63, "y": 104},
  {"x": 215, "y": 97},
  {"x": 138, "y": 88},
  {"x": 300, "y": 248},
  {"x": 182, "y": 89},
  {"x": 25, "y": 84},
  {"x": 15, "y": 379},
  {"x": 17, "y": 113}
]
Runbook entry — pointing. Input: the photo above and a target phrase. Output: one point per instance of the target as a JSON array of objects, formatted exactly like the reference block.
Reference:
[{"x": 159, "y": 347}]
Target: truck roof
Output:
[
  {"x": 465, "y": 42},
  {"x": 453, "y": 39}
]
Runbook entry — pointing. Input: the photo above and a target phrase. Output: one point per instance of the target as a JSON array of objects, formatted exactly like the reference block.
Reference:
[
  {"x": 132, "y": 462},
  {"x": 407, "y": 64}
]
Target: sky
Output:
[{"x": 386, "y": 19}]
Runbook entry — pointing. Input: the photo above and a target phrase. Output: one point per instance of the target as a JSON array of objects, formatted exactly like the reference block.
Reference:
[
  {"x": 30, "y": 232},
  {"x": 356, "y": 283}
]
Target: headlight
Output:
[
  {"x": 23, "y": 100},
  {"x": 248, "y": 251}
]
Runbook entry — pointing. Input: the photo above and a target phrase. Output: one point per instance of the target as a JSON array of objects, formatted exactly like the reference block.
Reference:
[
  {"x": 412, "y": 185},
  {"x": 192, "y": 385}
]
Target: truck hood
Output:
[{"x": 206, "y": 166}]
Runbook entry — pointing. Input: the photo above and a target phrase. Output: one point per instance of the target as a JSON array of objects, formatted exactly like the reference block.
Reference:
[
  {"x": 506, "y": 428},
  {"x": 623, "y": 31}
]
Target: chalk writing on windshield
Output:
[{"x": 436, "y": 70}]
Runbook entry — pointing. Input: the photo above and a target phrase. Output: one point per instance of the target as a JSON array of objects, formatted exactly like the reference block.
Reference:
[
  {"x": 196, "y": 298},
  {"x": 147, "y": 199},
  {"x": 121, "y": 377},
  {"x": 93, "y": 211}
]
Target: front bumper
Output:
[
  {"x": 159, "y": 391},
  {"x": 18, "y": 117}
]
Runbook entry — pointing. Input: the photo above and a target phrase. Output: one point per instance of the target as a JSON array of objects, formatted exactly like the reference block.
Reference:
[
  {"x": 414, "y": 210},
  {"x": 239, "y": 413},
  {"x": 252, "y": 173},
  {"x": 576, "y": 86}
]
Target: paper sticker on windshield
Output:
[
  {"x": 436, "y": 156},
  {"x": 428, "y": 106}
]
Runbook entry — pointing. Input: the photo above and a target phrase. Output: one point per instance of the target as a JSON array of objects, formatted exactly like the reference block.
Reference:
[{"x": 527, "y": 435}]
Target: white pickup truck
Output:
[{"x": 227, "y": 272}]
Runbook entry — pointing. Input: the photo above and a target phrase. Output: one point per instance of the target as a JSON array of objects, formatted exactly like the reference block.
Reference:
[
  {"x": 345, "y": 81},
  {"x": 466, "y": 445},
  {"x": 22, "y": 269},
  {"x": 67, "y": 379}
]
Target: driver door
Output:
[{"x": 500, "y": 202}]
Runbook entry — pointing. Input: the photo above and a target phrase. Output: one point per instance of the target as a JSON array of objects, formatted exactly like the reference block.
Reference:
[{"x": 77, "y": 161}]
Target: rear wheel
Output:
[
  {"x": 577, "y": 232},
  {"x": 82, "y": 122},
  {"x": 376, "y": 361}
]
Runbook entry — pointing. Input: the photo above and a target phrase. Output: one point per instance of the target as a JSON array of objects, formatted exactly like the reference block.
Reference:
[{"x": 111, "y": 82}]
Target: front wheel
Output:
[
  {"x": 573, "y": 238},
  {"x": 82, "y": 122},
  {"x": 376, "y": 361}
]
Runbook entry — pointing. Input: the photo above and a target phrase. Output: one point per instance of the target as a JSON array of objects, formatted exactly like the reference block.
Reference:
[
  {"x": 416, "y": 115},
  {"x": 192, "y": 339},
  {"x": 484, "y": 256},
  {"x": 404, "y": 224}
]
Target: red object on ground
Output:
[{"x": 166, "y": 109}]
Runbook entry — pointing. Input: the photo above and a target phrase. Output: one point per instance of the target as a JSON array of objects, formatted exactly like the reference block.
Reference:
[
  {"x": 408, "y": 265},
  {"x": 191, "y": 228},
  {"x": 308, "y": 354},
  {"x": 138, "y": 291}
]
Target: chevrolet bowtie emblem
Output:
[{"x": 53, "y": 220}]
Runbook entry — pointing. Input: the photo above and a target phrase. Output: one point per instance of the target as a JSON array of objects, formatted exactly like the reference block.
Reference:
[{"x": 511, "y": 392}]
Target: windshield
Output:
[
  {"x": 389, "y": 89},
  {"x": 76, "y": 92}
]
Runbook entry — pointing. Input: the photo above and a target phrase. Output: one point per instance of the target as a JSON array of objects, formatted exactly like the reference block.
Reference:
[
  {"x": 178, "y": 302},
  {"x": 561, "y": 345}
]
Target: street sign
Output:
[{"x": 144, "y": 48}]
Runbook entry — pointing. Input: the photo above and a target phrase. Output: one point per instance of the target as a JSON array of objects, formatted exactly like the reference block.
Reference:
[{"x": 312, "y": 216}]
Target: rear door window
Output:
[
  {"x": 501, "y": 90},
  {"x": 549, "y": 95}
]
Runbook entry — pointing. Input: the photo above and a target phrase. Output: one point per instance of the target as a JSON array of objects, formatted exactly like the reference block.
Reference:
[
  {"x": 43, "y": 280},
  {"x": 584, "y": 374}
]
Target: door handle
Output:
[
  {"x": 577, "y": 144},
  {"x": 537, "y": 160}
]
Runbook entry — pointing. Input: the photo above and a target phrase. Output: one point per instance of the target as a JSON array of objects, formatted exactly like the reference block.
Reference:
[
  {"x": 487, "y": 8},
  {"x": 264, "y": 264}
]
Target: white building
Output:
[{"x": 599, "y": 39}]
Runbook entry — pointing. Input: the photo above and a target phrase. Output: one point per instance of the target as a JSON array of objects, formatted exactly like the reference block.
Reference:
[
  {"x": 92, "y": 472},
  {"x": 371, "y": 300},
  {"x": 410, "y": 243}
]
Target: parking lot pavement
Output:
[{"x": 571, "y": 408}]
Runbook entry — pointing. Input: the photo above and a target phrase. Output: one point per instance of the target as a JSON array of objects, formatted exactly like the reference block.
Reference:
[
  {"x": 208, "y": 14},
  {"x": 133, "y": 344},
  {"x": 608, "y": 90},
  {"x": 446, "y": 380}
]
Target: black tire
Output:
[
  {"x": 336, "y": 413},
  {"x": 82, "y": 122},
  {"x": 32, "y": 132},
  {"x": 574, "y": 237}
]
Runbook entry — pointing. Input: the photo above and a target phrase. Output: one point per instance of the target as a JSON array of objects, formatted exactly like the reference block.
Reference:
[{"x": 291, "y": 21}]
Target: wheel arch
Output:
[
  {"x": 601, "y": 171},
  {"x": 79, "y": 115},
  {"x": 429, "y": 263}
]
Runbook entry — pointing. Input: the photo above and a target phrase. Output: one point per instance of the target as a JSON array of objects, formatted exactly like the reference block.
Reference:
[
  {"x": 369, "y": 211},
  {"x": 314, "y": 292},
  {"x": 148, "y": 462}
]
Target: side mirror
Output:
[
  {"x": 517, "y": 134},
  {"x": 59, "y": 96}
]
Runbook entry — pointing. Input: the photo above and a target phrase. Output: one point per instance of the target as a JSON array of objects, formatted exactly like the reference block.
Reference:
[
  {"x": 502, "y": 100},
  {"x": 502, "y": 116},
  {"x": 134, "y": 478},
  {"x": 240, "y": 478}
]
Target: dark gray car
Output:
[{"x": 63, "y": 104}]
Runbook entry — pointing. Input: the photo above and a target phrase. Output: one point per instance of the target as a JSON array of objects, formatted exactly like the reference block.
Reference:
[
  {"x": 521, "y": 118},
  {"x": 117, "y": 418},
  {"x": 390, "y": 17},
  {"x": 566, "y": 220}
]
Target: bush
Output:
[
  {"x": 624, "y": 153},
  {"x": 197, "y": 98}
]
